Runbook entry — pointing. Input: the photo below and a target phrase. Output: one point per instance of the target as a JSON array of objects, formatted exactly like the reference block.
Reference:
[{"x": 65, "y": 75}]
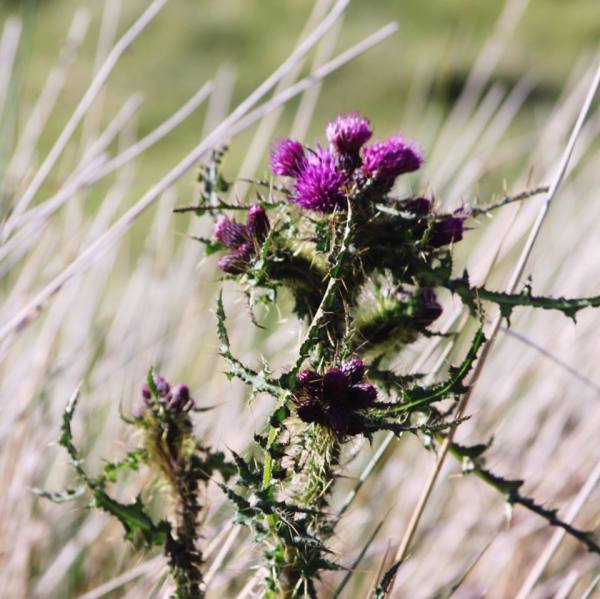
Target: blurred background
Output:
[{"x": 491, "y": 91}]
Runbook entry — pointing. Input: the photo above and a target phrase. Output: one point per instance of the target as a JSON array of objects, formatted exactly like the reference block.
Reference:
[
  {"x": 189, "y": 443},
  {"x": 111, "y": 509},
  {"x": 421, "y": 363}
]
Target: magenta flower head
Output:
[
  {"x": 349, "y": 133},
  {"x": 287, "y": 158},
  {"x": 386, "y": 160},
  {"x": 319, "y": 185}
]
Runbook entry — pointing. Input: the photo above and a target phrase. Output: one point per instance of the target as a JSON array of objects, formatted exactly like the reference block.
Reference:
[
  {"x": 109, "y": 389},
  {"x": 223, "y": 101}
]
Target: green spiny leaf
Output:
[
  {"x": 134, "y": 518},
  {"x": 471, "y": 296}
]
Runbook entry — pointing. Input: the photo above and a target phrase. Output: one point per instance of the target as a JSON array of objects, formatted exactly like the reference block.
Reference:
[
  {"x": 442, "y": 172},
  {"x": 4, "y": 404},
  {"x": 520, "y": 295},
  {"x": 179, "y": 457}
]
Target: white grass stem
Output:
[
  {"x": 84, "y": 105},
  {"x": 48, "y": 97}
]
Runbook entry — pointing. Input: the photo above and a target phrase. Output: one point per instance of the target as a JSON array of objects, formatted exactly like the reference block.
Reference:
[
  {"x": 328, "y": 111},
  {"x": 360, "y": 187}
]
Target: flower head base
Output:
[
  {"x": 349, "y": 133},
  {"x": 243, "y": 241},
  {"x": 335, "y": 398},
  {"x": 320, "y": 185},
  {"x": 287, "y": 158},
  {"x": 386, "y": 160}
]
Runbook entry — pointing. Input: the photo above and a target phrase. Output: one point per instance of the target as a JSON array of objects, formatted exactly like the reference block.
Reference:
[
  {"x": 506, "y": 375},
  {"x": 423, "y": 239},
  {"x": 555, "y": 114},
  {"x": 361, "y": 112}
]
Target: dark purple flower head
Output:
[
  {"x": 174, "y": 399},
  {"x": 231, "y": 234},
  {"x": 447, "y": 231},
  {"x": 308, "y": 377},
  {"x": 287, "y": 157},
  {"x": 258, "y": 223},
  {"x": 362, "y": 396},
  {"x": 335, "y": 384},
  {"x": 417, "y": 206},
  {"x": 319, "y": 185},
  {"x": 335, "y": 398},
  {"x": 386, "y": 160},
  {"x": 349, "y": 133},
  {"x": 427, "y": 308},
  {"x": 354, "y": 369},
  {"x": 242, "y": 240},
  {"x": 236, "y": 261}
]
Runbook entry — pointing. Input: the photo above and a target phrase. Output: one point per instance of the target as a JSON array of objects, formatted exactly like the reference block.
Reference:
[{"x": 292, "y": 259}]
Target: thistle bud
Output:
[
  {"x": 180, "y": 398},
  {"x": 335, "y": 384},
  {"x": 230, "y": 233},
  {"x": 354, "y": 369},
  {"x": 258, "y": 223},
  {"x": 417, "y": 206},
  {"x": 447, "y": 231},
  {"x": 162, "y": 386},
  {"x": 236, "y": 262}
]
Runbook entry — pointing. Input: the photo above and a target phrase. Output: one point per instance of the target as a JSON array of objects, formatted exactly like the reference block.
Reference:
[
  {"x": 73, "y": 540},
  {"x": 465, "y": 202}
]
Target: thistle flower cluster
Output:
[
  {"x": 242, "y": 240},
  {"x": 175, "y": 400},
  {"x": 335, "y": 398},
  {"x": 324, "y": 177}
]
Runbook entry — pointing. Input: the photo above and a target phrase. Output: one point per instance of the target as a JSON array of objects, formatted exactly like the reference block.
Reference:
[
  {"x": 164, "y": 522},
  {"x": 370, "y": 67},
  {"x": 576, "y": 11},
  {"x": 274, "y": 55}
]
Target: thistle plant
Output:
[
  {"x": 171, "y": 449},
  {"x": 365, "y": 268}
]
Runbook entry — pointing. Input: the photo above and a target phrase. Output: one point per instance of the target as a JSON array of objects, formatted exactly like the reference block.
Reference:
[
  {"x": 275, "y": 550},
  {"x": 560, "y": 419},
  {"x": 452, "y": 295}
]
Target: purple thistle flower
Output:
[
  {"x": 386, "y": 160},
  {"x": 242, "y": 240},
  {"x": 349, "y": 133},
  {"x": 447, "y": 231},
  {"x": 333, "y": 398},
  {"x": 230, "y": 233},
  {"x": 258, "y": 223},
  {"x": 335, "y": 385},
  {"x": 308, "y": 377},
  {"x": 237, "y": 261},
  {"x": 354, "y": 369},
  {"x": 287, "y": 158},
  {"x": 319, "y": 185}
]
